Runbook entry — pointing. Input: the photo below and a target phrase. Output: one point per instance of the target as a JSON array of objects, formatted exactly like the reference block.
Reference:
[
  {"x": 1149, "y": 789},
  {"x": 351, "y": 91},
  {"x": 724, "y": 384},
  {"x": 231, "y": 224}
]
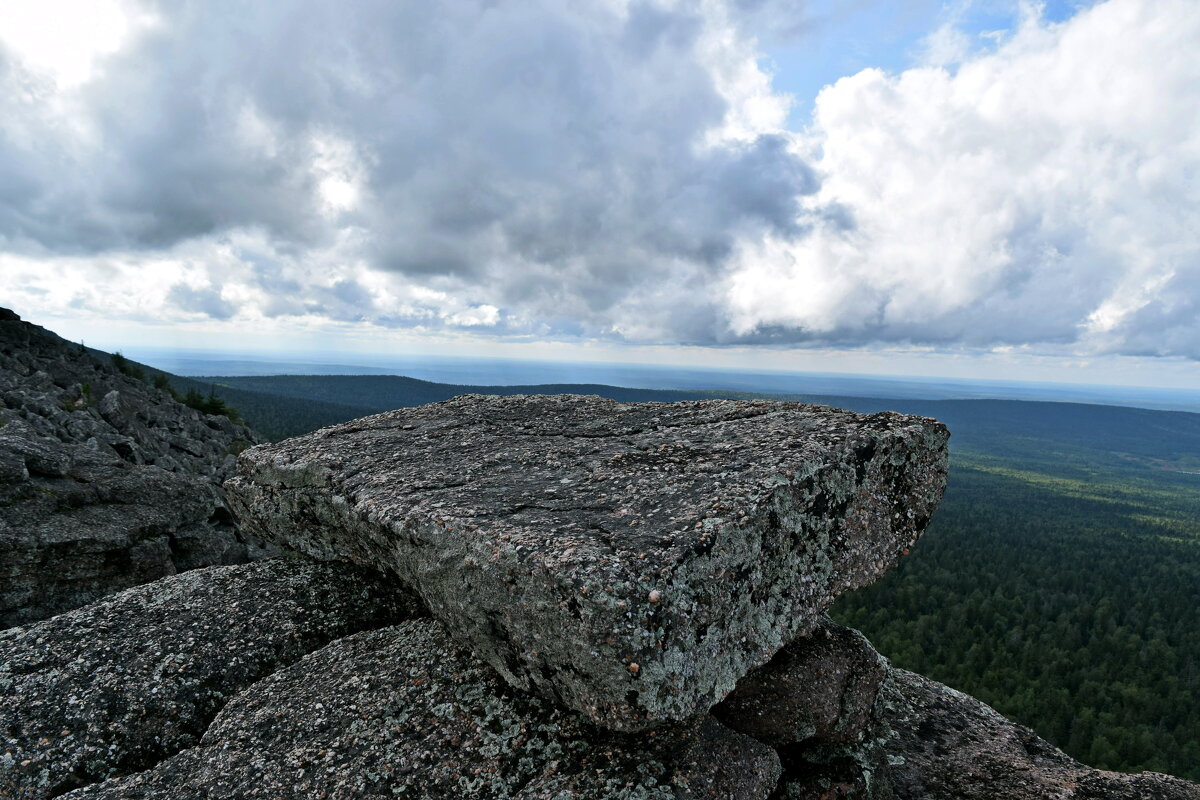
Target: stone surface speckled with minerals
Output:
[
  {"x": 402, "y": 712},
  {"x": 629, "y": 561},
  {"x": 116, "y": 686}
]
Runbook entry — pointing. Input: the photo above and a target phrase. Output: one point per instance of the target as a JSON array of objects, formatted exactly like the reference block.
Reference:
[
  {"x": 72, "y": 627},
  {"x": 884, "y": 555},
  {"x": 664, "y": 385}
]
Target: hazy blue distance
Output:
[{"x": 505, "y": 372}]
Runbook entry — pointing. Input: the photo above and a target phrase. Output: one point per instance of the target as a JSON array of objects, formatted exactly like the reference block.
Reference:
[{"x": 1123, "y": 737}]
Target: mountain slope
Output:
[{"x": 105, "y": 480}]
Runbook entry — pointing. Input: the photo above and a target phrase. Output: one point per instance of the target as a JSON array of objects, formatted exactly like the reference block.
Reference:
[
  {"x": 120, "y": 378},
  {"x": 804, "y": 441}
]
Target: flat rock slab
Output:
[
  {"x": 630, "y": 561},
  {"x": 117, "y": 686},
  {"x": 402, "y": 712}
]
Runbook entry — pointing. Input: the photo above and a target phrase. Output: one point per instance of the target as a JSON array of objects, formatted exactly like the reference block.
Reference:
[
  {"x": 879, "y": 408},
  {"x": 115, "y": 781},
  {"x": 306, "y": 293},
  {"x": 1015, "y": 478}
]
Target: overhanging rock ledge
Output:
[{"x": 630, "y": 561}]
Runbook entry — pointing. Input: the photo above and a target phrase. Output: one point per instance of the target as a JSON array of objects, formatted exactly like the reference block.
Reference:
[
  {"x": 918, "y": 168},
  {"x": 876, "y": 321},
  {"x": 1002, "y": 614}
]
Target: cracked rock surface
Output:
[
  {"x": 403, "y": 712},
  {"x": 117, "y": 686},
  {"x": 629, "y": 561},
  {"x": 105, "y": 481}
]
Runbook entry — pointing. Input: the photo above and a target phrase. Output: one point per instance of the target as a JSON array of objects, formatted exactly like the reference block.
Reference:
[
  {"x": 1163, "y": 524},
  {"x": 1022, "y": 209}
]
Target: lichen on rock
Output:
[
  {"x": 629, "y": 561},
  {"x": 117, "y": 686},
  {"x": 403, "y": 712}
]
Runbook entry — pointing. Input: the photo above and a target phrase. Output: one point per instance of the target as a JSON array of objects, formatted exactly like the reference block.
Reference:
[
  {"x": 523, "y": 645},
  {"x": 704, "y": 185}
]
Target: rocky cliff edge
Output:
[{"x": 346, "y": 670}]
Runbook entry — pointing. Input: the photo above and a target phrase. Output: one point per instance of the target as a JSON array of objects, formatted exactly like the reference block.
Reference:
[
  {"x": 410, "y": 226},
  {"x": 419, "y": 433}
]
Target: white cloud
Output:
[
  {"x": 65, "y": 39},
  {"x": 580, "y": 168},
  {"x": 1045, "y": 192}
]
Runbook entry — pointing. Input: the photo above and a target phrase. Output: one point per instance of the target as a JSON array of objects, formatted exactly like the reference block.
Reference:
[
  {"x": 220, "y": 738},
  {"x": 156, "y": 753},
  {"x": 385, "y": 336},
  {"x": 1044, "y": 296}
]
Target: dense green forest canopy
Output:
[{"x": 1058, "y": 582}]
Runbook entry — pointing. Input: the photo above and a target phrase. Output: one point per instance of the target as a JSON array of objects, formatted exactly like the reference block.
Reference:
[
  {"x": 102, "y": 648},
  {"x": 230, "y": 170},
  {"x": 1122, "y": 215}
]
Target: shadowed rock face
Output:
[
  {"x": 816, "y": 702},
  {"x": 119, "y": 685},
  {"x": 402, "y": 712},
  {"x": 105, "y": 481},
  {"x": 818, "y": 690},
  {"x": 631, "y": 562}
]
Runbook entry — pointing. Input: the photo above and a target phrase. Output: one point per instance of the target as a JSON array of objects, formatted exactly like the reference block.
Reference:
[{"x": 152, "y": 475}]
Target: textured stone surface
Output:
[
  {"x": 837, "y": 779},
  {"x": 629, "y": 561},
  {"x": 120, "y": 684},
  {"x": 848, "y": 726},
  {"x": 816, "y": 702},
  {"x": 818, "y": 690},
  {"x": 944, "y": 745},
  {"x": 401, "y": 712},
  {"x": 105, "y": 481}
]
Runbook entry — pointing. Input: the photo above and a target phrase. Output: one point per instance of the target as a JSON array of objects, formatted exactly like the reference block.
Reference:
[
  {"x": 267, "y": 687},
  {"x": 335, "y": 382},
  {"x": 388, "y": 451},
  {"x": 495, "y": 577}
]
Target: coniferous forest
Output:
[{"x": 1067, "y": 603}]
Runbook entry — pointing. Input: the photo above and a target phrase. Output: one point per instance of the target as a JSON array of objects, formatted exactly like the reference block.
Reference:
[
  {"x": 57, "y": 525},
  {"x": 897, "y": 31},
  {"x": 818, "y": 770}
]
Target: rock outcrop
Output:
[
  {"x": 628, "y": 561},
  {"x": 846, "y": 724},
  {"x": 121, "y": 684},
  {"x": 403, "y": 712},
  {"x": 304, "y": 678},
  {"x": 105, "y": 481}
]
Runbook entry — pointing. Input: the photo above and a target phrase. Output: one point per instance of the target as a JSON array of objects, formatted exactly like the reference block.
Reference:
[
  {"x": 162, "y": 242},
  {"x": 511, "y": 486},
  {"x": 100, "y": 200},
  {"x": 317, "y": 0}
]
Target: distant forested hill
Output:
[
  {"x": 1059, "y": 581},
  {"x": 279, "y": 406}
]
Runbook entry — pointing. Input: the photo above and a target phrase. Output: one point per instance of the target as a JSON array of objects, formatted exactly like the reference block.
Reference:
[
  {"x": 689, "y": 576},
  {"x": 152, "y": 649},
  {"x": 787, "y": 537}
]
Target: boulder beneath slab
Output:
[
  {"x": 119, "y": 685},
  {"x": 817, "y": 703},
  {"x": 848, "y": 726},
  {"x": 629, "y": 561},
  {"x": 818, "y": 690},
  {"x": 403, "y": 712}
]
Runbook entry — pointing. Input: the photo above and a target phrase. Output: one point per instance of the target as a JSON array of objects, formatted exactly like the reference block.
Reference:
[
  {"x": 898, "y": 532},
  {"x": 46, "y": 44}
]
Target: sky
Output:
[{"x": 987, "y": 189}]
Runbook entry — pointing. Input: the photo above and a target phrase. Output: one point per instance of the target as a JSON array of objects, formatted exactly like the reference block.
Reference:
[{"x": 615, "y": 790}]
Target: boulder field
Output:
[
  {"x": 105, "y": 480},
  {"x": 533, "y": 597}
]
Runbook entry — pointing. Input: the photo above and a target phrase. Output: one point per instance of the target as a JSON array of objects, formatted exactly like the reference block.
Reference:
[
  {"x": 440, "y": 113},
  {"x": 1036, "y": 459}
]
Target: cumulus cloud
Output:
[
  {"x": 204, "y": 300},
  {"x": 526, "y": 165},
  {"x": 1043, "y": 192},
  {"x": 613, "y": 168}
]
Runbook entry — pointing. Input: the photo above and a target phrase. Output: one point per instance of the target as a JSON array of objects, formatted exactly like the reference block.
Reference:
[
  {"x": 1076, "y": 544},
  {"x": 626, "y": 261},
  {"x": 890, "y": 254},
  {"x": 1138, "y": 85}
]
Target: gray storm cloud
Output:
[
  {"x": 546, "y": 158},
  {"x": 613, "y": 169}
]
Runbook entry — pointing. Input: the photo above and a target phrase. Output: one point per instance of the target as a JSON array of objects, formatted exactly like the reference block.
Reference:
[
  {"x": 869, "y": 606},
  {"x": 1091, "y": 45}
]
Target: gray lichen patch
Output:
[
  {"x": 630, "y": 561},
  {"x": 402, "y": 712},
  {"x": 118, "y": 685}
]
